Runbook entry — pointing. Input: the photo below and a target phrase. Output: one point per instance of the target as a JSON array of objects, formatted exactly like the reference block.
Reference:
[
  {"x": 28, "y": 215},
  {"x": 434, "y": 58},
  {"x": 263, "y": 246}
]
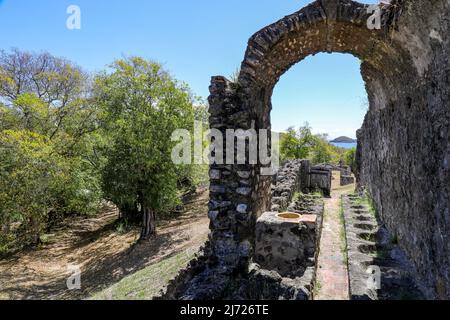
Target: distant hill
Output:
[{"x": 344, "y": 140}]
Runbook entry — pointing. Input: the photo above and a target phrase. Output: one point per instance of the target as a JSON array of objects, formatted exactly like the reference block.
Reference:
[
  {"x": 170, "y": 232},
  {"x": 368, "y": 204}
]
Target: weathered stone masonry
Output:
[{"x": 404, "y": 148}]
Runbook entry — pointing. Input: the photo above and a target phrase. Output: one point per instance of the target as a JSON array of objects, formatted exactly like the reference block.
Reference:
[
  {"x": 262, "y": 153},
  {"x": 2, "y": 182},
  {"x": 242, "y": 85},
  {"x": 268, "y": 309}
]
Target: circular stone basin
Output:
[{"x": 289, "y": 216}]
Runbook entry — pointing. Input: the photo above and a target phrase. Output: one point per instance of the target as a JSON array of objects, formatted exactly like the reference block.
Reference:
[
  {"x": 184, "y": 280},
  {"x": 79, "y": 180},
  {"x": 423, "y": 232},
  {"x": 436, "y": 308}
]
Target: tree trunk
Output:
[
  {"x": 130, "y": 213},
  {"x": 35, "y": 231},
  {"x": 148, "y": 223}
]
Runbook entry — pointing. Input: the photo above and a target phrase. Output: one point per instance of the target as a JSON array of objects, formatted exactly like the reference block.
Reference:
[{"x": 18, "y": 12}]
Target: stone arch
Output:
[
  {"x": 239, "y": 194},
  {"x": 406, "y": 124}
]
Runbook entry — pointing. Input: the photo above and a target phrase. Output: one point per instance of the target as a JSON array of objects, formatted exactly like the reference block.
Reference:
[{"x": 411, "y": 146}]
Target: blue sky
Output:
[{"x": 194, "y": 39}]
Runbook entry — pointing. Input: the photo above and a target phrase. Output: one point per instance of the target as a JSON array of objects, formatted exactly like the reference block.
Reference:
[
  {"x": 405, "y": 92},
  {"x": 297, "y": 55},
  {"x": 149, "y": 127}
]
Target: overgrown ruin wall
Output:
[{"x": 404, "y": 145}]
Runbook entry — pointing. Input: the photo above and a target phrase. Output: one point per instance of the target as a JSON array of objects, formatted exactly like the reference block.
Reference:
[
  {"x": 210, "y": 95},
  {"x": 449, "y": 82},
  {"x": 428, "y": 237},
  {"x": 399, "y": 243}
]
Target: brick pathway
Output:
[{"x": 332, "y": 276}]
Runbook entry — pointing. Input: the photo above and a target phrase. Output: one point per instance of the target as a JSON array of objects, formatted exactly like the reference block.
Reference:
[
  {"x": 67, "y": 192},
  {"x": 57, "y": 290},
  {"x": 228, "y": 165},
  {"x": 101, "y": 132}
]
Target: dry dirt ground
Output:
[{"x": 104, "y": 255}]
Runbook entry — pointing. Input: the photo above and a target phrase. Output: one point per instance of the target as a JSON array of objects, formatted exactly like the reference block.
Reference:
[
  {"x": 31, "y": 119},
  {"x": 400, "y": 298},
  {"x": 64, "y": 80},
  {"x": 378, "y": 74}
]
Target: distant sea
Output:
[{"x": 345, "y": 145}]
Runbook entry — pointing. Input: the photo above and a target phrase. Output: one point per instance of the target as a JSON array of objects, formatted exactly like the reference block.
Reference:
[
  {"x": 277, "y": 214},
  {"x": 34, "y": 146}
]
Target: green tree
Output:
[
  {"x": 45, "y": 130},
  {"x": 191, "y": 176},
  {"x": 323, "y": 151},
  {"x": 350, "y": 158},
  {"x": 31, "y": 173},
  {"x": 141, "y": 106},
  {"x": 296, "y": 144}
]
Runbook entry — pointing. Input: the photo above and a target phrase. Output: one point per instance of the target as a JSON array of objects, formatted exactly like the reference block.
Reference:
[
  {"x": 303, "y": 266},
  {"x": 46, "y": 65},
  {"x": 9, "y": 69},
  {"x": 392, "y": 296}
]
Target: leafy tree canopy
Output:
[{"x": 141, "y": 105}]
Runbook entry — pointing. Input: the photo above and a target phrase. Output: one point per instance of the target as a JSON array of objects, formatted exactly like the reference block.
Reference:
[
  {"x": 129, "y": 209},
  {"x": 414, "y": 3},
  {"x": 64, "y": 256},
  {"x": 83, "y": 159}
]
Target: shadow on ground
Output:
[{"x": 104, "y": 255}]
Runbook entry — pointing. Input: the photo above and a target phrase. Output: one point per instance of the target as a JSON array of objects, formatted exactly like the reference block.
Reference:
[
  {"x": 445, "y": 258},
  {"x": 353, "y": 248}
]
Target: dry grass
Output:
[{"x": 104, "y": 255}]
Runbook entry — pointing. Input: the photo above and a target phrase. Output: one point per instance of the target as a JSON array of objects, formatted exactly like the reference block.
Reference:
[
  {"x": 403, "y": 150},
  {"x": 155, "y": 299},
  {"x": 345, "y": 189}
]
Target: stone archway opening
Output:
[
  {"x": 325, "y": 93},
  {"x": 303, "y": 244}
]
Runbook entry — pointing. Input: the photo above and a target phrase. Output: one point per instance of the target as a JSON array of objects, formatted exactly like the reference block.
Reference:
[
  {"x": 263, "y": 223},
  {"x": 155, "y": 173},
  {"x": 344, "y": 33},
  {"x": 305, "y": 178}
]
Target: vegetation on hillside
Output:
[
  {"x": 301, "y": 143},
  {"x": 46, "y": 122},
  {"x": 70, "y": 140},
  {"x": 343, "y": 139}
]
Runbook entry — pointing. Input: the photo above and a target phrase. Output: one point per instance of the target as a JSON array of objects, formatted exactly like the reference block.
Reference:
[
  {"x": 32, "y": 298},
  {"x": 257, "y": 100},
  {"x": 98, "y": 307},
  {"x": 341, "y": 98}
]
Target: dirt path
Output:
[
  {"x": 103, "y": 255},
  {"x": 332, "y": 274}
]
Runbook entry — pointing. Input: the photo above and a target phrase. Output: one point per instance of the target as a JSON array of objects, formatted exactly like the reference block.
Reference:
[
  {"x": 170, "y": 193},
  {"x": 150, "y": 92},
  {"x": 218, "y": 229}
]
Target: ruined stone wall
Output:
[
  {"x": 404, "y": 145},
  {"x": 320, "y": 180},
  {"x": 288, "y": 181}
]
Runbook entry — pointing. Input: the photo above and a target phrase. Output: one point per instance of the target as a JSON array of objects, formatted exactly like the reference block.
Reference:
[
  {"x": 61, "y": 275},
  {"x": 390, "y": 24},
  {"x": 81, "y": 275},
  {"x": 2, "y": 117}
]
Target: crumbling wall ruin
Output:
[
  {"x": 404, "y": 148},
  {"x": 287, "y": 181}
]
